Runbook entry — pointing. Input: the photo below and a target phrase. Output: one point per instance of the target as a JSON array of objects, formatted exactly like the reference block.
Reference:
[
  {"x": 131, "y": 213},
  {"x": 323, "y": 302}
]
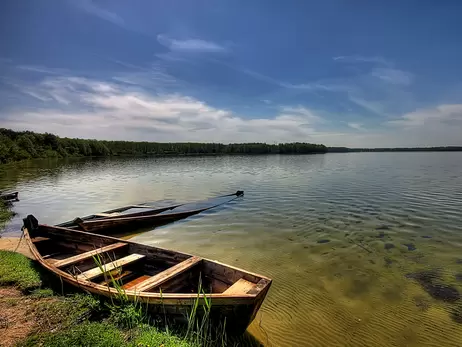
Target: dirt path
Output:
[
  {"x": 11, "y": 243},
  {"x": 15, "y": 318}
]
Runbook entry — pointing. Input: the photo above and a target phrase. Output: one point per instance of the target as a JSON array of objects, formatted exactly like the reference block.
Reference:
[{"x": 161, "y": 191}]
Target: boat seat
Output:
[
  {"x": 166, "y": 275},
  {"x": 97, "y": 271},
  {"x": 133, "y": 283},
  {"x": 241, "y": 286},
  {"x": 80, "y": 257}
]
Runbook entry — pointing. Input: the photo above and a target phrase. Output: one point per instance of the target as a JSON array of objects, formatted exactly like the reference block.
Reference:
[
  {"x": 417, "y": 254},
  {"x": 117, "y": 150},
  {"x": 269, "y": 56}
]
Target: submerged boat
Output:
[
  {"x": 167, "y": 281},
  {"x": 13, "y": 196},
  {"x": 144, "y": 215}
]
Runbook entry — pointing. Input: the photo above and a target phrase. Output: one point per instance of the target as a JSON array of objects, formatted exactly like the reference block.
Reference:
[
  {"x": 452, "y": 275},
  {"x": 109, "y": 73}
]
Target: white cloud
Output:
[
  {"x": 442, "y": 114},
  {"x": 361, "y": 59},
  {"x": 372, "y": 106},
  {"x": 190, "y": 45},
  {"x": 393, "y": 76},
  {"x": 357, "y": 126},
  {"x": 89, "y": 108},
  {"x": 90, "y": 7},
  {"x": 86, "y": 108}
]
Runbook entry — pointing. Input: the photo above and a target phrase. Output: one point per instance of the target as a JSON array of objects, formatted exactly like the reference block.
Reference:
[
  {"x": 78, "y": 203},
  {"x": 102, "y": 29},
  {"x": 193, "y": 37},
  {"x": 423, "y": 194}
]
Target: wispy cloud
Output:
[
  {"x": 375, "y": 107},
  {"x": 82, "y": 107},
  {"x": 442, "y": 114},
  {"x": 393, "y": 76},
  {"x": 361, "y": 59},
  {"x": 190, "y": 45},
  {"x": 357, "y": 126},
  {"x": 91, "y": 8}
]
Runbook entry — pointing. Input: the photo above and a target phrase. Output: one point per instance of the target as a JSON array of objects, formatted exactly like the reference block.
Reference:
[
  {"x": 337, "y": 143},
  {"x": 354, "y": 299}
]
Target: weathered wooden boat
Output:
[
  {"x": 12, "y": 196},
  {"x": 144, "y": 215},
  {"x": 166, "y": 281}
]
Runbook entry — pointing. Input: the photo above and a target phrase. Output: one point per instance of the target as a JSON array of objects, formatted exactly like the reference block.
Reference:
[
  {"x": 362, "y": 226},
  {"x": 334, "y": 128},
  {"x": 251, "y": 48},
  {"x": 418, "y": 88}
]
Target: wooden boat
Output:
[
  {"x": 144, "y": 215},
  {"x": 165, "y": 280},
  {"x": 13, "y": 196}
]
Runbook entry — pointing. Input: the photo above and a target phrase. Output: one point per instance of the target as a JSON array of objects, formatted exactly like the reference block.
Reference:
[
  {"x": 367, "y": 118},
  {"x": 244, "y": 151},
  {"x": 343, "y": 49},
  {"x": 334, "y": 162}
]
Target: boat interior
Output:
[{"x": 131, "y": 266}]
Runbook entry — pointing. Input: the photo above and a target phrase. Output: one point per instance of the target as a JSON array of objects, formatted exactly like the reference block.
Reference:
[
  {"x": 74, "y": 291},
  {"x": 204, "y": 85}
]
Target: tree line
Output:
[
  {"x": 397, "y": 149},
  {"x": 20, "y": 145}
]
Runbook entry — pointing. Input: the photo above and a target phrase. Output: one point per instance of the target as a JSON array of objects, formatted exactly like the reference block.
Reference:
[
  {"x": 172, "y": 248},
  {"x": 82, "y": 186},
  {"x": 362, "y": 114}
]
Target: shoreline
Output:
[{"x": 15, "y": 244}]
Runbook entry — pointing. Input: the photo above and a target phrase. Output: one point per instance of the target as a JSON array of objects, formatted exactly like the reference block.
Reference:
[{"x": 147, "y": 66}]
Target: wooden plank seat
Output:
[
  {"x": 97, "y": 271},
  {"x": 241, "y": 286},
  {"x": 80, "y": 257},
  {"x": 166, "y": 275}
]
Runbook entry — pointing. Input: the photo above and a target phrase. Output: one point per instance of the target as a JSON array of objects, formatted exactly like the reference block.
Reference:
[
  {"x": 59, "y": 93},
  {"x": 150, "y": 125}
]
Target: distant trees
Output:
[{"x": 19, "y": 145}]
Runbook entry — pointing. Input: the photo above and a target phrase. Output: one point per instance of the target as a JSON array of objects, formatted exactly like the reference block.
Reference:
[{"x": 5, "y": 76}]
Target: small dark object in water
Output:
[
  {"x": 421, "y": 303},
  {"x": 371, "y": 261},
  {"x": 423, "y": 277},
  {"x": 443, "y": 292},
  {"x": 456, "y": 314},
  {"x": 426, "y": 237},
  {"x": 290, "y": 239},
  {"x": 323, "y": 241},
  {"x": 383, "y": 227},
  {"x": 439, "y": 291},
  {"x": 410, "y": 246},
  {"x": 458, "y": 276},
  {"x": 459, "y": 261},
  {"x": 381, "y": 235},
  {"x": 388, "y": 246},
  {"x": 388, "y": 261}
]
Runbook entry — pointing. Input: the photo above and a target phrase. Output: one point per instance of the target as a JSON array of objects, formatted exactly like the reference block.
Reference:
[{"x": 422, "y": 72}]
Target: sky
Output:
[{"x": 352, "y": 73}]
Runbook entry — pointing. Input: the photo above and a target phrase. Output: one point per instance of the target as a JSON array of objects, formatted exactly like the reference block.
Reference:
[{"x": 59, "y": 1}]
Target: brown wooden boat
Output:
[
  {"x": 167, "y": 281},
  {"x": 13, "y": 196},
  {"x": 145, "y": 215}
]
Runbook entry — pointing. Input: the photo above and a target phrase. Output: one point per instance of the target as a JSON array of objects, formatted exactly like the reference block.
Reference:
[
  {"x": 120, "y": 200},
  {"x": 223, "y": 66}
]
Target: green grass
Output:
[
  {"x": 151, "y": 336},
  {"x": 85, "y": 334},
  {"x": 18, "y": 270}
]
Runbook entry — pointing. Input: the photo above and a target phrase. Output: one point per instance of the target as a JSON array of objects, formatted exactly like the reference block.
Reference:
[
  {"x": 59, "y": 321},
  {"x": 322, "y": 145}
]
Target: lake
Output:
[{"x": 365, "y": 249}]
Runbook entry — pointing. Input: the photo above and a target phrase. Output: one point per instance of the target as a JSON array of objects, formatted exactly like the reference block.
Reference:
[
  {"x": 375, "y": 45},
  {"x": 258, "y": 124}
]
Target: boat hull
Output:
[{"x": 108, "y": 222}]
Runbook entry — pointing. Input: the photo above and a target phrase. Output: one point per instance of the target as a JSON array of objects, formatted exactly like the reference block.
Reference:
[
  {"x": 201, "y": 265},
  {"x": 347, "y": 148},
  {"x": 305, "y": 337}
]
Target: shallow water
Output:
[{"x": 340, "y": 234}]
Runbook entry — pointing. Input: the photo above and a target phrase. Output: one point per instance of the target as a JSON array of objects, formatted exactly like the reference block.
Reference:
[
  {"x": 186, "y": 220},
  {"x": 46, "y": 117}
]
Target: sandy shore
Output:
[{"x": 11, "y": 244}]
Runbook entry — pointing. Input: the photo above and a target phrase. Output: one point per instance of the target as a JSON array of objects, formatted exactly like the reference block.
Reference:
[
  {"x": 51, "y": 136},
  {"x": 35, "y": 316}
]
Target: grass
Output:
[
  {"x": 19, "y": 271},
  {"x": 86, "y": 334}
]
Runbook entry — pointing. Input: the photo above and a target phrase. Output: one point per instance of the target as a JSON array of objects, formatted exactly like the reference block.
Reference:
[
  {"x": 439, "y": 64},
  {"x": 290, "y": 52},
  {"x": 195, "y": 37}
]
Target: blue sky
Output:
[{"x": 338, "y": 72}]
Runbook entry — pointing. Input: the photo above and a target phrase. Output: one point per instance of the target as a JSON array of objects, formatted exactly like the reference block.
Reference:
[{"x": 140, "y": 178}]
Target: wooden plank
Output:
[
  {"x": 166, "y": 275},
  {"x": 95, "y": 272},
  {"x": 135, "y": 282},
  {"x": 80, "y": 257},
  {"x": 240, "y": 287}
]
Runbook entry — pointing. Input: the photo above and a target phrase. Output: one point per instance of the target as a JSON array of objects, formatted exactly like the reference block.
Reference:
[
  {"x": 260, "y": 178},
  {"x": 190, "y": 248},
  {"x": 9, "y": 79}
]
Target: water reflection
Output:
[{"x": 342, "y": 235}]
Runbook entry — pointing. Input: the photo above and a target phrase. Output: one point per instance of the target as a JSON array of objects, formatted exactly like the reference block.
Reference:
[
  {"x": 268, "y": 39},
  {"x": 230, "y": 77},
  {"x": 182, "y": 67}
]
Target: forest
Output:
[{"x": 21, "y": 145}]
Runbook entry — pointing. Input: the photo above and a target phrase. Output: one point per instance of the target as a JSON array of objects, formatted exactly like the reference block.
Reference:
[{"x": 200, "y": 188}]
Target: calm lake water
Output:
[{"x": 343, "y": 236}]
